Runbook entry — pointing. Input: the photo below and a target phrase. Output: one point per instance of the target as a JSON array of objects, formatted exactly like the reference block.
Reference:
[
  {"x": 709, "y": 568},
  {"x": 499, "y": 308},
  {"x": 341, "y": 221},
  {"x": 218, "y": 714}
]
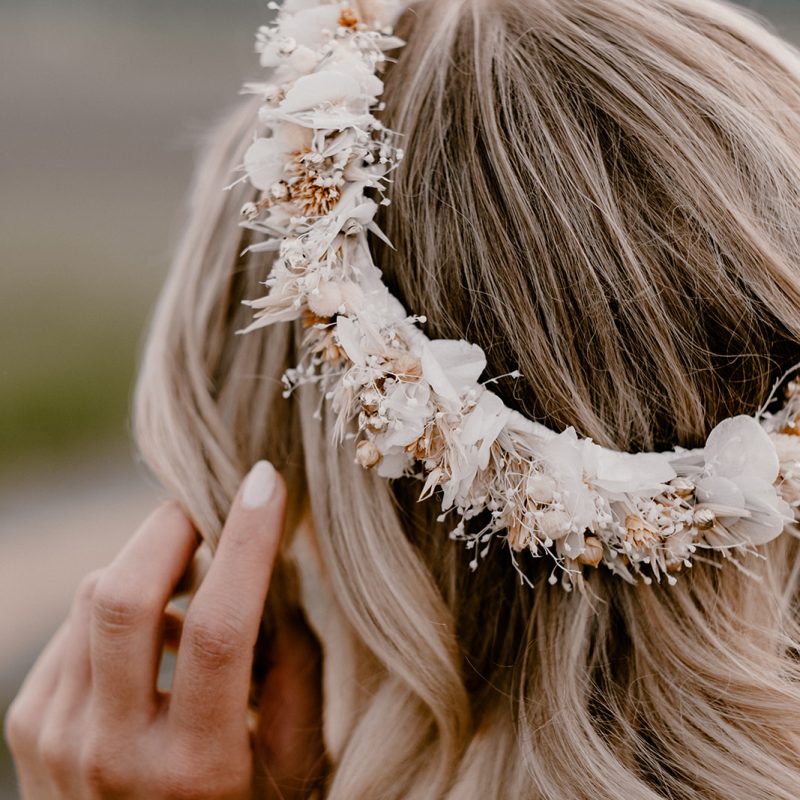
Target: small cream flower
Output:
[
  {"x": 592, "y": 553},
  {"x": 367, "y": 454}
]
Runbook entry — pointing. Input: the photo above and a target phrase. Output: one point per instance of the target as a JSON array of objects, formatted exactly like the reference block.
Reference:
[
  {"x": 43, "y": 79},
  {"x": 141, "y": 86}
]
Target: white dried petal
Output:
[{"x": 367, "y": 454}]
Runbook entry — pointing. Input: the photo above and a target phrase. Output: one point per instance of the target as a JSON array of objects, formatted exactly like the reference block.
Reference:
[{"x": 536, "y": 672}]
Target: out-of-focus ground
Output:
[{"x": 102, "y": 104}]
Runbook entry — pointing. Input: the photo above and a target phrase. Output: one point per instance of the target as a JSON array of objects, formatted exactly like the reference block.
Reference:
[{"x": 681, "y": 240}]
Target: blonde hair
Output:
[{"x": 604, "y": 194}]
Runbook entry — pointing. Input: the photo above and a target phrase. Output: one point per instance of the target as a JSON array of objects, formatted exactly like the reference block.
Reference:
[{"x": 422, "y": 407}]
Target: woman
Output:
[{"x": 603, "y": 196}]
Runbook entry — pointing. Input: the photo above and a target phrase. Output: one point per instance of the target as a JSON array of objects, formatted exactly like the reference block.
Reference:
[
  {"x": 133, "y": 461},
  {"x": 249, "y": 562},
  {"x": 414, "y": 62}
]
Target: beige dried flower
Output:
[
  {"x": 370, "y": 402},
  {"x": 278, "y": 192},
  {"x": 704, "y": 519},
  {"x": 430, "y": 445},
  {"x": 406, "y": 367},
  {"x": 682, "y": 487},
  {"x": 316, "y": 196},
  {"x": 310, "y": 319},
  {"x": 250, "y": 211},
  {"x": 327, "y": 348},
  {"x": 592, "y": 554},
  {"x": 792, "y": 428},
  {"x": 639, "y": 533},
  {"x": 331, "y": 352},
  {"x": 540, "y": 488},
  {"x": 348, "y": 18},
  {"x": 367, "y": 454},
  {"x": 317, "y": 201},
  {"x": 554, "y": 523}
]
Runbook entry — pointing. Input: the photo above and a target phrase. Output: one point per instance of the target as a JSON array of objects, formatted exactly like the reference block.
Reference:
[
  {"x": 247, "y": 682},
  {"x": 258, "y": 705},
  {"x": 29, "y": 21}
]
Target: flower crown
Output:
[{"x": 416, "y": 406}]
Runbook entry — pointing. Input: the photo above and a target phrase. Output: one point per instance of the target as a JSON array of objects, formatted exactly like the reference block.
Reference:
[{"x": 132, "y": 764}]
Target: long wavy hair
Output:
[{"x": 605, "y": 195}]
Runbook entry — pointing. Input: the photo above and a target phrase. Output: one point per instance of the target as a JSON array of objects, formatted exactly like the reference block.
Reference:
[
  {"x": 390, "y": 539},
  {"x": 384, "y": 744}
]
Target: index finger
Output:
[{"x": 212, "y": 673}]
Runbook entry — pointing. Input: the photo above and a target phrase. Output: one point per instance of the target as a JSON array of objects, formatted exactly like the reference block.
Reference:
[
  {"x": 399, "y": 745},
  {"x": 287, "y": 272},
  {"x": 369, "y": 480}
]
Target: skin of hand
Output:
[{"x": 89, "y": 721}]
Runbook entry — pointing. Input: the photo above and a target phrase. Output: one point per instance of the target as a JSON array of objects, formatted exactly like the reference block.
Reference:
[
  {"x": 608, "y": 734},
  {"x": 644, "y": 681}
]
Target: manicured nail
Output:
[{"x": 258, "y": 485}]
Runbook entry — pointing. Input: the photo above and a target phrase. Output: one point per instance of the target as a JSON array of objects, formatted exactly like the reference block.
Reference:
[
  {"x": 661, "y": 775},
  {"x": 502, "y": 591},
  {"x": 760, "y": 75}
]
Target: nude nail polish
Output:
[{"x": 258, "y": 485}]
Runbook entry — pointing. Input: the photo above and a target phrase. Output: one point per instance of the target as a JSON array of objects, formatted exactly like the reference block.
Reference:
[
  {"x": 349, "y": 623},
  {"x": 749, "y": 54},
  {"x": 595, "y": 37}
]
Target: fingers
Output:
[
  {"x": 80, "y": 727},
  {"x": 40, "y": 682},
  {"x": 75, "y": 663},
  {"x": 25, "y": 712},
  {"x": 50, "y": 697},
  {"x": 212, "y": 677},
  {"x": 57, "y": 748},
  {"x": 127, "y": 612}
]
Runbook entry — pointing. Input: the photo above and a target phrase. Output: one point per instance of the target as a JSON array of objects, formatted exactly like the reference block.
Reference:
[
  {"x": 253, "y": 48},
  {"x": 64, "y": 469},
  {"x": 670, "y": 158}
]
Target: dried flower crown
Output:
[{"x": 416, "y": 407}]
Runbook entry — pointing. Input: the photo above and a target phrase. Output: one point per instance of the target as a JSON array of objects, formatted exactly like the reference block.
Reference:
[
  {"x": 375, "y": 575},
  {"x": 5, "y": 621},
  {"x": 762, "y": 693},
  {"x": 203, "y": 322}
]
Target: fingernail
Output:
[{"x": 258, "y": 485}]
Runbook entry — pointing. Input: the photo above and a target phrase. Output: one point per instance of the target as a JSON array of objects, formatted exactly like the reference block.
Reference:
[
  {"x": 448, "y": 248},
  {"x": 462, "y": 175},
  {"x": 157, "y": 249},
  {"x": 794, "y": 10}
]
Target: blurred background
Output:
[{"x": 102, "y": 106}]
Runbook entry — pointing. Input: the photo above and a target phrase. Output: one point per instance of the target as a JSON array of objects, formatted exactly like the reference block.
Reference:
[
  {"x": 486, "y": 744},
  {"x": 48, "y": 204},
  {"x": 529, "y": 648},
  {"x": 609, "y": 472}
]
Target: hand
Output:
[{"x": 89, "y": 722}]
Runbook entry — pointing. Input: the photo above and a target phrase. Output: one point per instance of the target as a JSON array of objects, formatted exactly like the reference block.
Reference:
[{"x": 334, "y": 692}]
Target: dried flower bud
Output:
[
  {"x": 540, "y": 488},
  {"x": 682, "y": 487},
  {"x": 419, "y": 447},
  {"x": 429, "y": 445},
  {"x": 310, "y": 319},
  {"x": 370, "y": 401},
  {"x": 367, "y": 454},
  {"x": 639, "y": 533},
  {"x": 407, "y": 368},
  {"x": 634, "y": 523},
  {"x": 792, "y": 428},
  {"x": 704, "y": 519},
  {"x": 554, "y": 523},
  {"x": 352, "y": 228},
  {"x": 348, "y": 18},
  {"x": 327, "y": 298},
  {"x": 592, "y": 553},
  {"x": 287, "y": 46},
  {"x": 279, "y": 190},
  {"x": 377, "y": 423},
  {"x": 250, "y": 212},
  {"x": 331, "y": 352}
]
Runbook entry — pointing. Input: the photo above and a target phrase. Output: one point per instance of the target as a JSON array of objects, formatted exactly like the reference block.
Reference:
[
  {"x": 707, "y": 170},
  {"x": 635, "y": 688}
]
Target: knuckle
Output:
[
  {"x": 18, "y": 728},
  {"x": 87, "y": 587},
  {"x": 54, "y": 753},
  {"x": 174, "y": 515},
  {"x": 102, "y": 771},
  {"x": 117, "y": 610},
  {"x": 215, "y": 642}
]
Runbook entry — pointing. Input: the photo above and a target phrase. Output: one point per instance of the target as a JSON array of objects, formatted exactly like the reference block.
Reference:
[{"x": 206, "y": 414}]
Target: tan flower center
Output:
[
  {"x": 348, "y": 18},
  {"x": 309, "y": 189},
  {"x": 639, "y": 533},
  {"x": 792, "y": 428}
]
